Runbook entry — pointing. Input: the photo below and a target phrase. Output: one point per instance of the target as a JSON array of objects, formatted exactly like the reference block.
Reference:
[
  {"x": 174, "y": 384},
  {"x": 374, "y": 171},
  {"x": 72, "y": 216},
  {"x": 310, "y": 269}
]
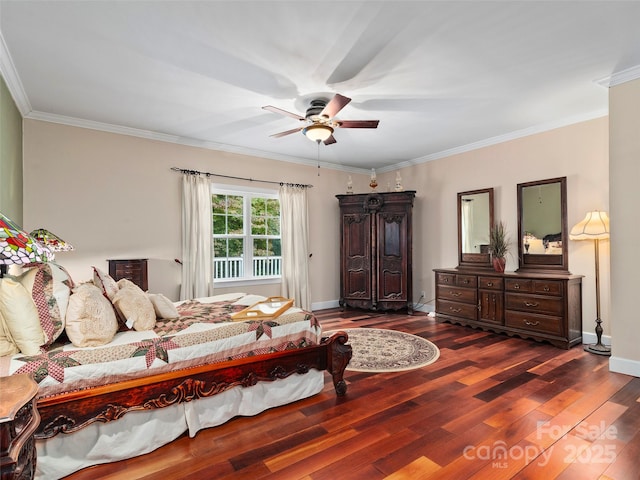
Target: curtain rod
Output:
[{"x": 196, "y": 172}]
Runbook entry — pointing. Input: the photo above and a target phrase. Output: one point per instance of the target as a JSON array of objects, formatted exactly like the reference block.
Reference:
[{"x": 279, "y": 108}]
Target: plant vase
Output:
[{"x": 499, "y": 264}]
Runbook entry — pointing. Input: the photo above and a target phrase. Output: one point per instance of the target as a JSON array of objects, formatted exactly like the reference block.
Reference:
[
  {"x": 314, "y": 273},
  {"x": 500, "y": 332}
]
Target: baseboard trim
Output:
[
  {"x": 324, "y": 305},
  {"x": 624, "y": 365},
  {"x": 589, "y": 337}
]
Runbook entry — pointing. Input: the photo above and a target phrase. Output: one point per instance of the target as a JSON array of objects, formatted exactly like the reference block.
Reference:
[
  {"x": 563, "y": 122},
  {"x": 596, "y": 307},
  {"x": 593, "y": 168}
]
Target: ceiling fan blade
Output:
[
  {"x": 358, "y": 123},
  {"x": 283, "y": 112},
  {"x": 288, "y": 132},
  {"x": 330, "y": 140},
  {"x": 336, "y": 104}
]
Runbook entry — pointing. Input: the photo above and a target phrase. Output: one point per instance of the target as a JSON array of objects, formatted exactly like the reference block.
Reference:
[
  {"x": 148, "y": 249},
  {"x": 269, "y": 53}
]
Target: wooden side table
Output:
[
  {"x": 19, "y": 419},
  {"x": 134, "y": 270}
]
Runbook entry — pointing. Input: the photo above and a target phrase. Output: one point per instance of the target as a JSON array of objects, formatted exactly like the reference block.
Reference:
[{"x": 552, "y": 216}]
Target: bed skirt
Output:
[{"x": 143, "y": 431}]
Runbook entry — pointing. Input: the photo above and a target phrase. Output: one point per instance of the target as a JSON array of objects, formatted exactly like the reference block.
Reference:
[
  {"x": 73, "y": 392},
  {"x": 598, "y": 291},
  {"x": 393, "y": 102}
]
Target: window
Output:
[{"x": 246, "y": 234}]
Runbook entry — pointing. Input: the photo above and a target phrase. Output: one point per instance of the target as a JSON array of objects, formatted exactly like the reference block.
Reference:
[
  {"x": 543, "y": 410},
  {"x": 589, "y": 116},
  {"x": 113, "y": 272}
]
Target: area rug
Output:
[{"x": 381, "y": 350}]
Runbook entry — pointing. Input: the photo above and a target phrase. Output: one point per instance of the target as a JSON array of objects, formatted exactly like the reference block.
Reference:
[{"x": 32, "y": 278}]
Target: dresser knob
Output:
[
  {"x": 517, "y": 286},
  {"x": 531, "y": 304},
  {"x": 455, "y": 294},
  {"x": 546, "y": 288},
  {"x": 489, "y": 284},
  {"x": 531, "y": 324}
]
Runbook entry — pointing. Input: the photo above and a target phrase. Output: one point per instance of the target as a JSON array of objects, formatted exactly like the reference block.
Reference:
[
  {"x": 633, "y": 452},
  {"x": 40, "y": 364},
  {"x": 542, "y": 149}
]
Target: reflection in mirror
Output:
[
  {"x": 475, "y": 217},
  {"x": 542, "y": 226}
]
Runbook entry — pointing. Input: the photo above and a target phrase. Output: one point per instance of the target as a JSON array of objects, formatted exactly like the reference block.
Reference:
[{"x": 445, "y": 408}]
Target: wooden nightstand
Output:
[
  {"x": 19, "y": 419},
  {"x": 134, "y": 270}
]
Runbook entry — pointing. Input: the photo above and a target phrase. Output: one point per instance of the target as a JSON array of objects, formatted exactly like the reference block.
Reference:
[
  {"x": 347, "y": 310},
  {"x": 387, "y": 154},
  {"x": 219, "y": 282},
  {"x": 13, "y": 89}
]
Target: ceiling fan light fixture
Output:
[{"x": 318, "y": 132}]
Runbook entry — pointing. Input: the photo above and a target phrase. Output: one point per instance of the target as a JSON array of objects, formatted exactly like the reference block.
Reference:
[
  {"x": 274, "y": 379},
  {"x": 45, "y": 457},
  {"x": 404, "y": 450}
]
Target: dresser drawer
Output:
[
  {"x": 464, "y": 295},
  {"x": 446, "y": 278},
  {"x": 534, "y": 322},
  {"x": 490, "y": 283},
  {"x": 469, "y": 281},
  {"x": 534, "y": 303},
  {"x": 518, "y": 285},
  {"x": 547, "y": 287},
  {"x": 455, "y": 309}
]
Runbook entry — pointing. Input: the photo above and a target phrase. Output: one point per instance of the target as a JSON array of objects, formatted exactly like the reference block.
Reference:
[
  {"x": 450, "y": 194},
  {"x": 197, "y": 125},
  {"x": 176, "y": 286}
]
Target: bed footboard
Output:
[{"x": 71, "y": 411}]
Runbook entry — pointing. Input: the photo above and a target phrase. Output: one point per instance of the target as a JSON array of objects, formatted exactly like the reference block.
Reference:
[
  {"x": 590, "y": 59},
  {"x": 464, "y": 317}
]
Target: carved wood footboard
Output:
[{"x": 71, "y": 411}]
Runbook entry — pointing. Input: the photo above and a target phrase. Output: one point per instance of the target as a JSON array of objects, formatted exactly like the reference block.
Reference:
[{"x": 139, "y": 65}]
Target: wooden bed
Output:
[
  {"x": 72, "y": 411},
  {"x": 141, "y": 388}
]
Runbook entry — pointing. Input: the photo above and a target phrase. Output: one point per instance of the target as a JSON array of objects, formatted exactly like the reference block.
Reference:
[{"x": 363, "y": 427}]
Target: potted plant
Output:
[{"x": 498, "y": 246}]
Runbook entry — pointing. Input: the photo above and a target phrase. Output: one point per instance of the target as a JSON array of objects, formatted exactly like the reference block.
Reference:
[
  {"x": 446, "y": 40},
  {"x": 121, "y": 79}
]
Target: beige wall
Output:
[
  {"x": 113, "y": 196},
  {"x": 624, "y": 171},
  {"x": 10, "y": 156},
  {"x": 579, "y": 152}
]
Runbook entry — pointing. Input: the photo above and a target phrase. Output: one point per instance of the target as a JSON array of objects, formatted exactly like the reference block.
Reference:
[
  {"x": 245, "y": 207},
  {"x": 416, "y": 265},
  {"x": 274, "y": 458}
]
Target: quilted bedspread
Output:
[{"x": 204, "y": 333}]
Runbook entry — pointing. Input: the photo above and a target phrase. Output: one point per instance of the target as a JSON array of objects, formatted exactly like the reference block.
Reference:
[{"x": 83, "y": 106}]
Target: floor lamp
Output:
[{"x": 595, "y": 226}]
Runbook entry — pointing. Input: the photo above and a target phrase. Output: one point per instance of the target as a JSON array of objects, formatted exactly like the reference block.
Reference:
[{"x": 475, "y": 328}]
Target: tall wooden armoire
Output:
[{"x": 375, "y": 250}]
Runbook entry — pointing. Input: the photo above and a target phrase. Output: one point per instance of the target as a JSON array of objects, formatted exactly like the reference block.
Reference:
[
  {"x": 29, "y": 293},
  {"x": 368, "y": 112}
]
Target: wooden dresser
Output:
[
  {"x": 134, "y": 270},
  {"x": 375, "y": 250},
  {"x": 544, "y": 307},
  {"x": 19, "y": 420}
]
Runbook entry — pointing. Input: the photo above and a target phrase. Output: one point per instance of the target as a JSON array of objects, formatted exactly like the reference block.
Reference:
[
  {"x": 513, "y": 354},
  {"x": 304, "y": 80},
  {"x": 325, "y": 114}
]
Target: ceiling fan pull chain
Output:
[{"x": 318, "y": 142}]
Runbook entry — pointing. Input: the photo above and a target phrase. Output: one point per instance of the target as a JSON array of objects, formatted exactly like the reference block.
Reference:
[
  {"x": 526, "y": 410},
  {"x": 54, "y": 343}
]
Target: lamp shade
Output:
[
  {"x": 318, "y": 133},
  {"x": 51, "y": 240},
  {"x": 595, "y": 226},
  {"x": 18, "y": 247}
]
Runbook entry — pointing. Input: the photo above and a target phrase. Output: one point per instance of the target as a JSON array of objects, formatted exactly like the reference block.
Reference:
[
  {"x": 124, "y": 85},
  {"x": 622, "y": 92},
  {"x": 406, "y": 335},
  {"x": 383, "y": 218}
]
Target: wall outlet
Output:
[{"x": 422, "y": 294}]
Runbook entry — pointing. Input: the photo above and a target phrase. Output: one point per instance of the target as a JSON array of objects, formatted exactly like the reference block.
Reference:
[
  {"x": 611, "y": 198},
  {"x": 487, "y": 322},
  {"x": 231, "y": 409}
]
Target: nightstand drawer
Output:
[
  {"x": 533, "y": 322},
  {"x": 134, "y": 270}
]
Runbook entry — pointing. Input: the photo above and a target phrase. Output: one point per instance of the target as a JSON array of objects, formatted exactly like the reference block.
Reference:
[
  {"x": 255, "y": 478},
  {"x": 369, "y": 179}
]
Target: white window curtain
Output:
[
  {"x": 294, "y": 231},
  {"x": 197, "y": 234}
]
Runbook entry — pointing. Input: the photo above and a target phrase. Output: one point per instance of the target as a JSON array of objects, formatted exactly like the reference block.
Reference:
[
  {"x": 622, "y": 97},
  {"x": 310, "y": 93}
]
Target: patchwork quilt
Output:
[{"x": 204, "y": 333}]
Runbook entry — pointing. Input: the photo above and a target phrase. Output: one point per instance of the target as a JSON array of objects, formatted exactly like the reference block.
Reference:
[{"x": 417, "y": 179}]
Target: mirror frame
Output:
[
  {"x": 474, "y": 260},
  {"x": 532, "y": 262}
]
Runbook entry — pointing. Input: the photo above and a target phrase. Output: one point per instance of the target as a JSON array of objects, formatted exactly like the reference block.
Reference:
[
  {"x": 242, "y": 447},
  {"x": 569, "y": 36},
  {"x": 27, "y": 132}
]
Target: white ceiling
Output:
[{"x": 440, "y": 76}]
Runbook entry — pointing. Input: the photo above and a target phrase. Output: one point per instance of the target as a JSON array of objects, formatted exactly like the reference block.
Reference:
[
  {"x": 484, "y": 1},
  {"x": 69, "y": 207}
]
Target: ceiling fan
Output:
[{"x": 319, "y": 119}]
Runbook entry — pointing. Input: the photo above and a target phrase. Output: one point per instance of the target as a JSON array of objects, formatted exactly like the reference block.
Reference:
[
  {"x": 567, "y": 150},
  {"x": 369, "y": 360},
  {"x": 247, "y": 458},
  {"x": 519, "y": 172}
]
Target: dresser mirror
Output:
[
  {"x": 475, "y": 217},
  {"x": 542, "y": 226}
]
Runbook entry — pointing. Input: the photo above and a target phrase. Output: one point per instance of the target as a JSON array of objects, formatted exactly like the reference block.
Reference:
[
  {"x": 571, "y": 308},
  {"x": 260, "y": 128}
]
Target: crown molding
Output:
[
  {"x": 501, "y": 139},
  {"x": 163, "y": 137},
  {"x": 11, "y": 78},
  {"x": 622, "y": 76}
]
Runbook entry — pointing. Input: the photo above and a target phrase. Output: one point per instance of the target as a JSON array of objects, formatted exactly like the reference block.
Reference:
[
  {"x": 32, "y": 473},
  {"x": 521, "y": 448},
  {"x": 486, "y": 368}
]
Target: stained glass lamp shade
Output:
[
  {"x": 18, "y": 247},
  {"x": 51, "y": 240}
]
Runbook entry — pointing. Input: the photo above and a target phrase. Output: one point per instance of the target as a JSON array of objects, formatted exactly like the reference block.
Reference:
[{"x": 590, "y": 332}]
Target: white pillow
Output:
[
  {"x": 163, "y": 307},
  {"x": 21, "y": 316},
  {"x": 7, "y": 345},
  {"x": 132, "y": 304},
  {"x": 90, "y": 320}
]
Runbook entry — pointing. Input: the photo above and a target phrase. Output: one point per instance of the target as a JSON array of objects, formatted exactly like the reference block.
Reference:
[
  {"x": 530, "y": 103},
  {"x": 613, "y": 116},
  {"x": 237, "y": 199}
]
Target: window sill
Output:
[{"x": 246, "y": 282}]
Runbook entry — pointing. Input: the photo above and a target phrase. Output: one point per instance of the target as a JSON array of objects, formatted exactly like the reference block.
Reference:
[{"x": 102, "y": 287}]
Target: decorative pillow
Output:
[
  {"x": 7, "y": 345},
  {"x": 49, "y": 286},
  {"x": 132, "y": 304},
  {"x": 163, "y": 307},
  {"x": 105, "y": 282},
  {"x": 21, "y": 316},
  {"x": 91, "y": 321}
]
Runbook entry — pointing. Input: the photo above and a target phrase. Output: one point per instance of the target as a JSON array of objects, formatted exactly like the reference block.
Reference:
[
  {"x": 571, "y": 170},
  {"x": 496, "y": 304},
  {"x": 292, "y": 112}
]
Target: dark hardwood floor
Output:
[{"x": 490, "y": 407}]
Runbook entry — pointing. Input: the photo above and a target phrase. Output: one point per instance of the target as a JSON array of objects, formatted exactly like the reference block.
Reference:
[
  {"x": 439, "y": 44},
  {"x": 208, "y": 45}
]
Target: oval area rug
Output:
[{"x": 383, "y": 350}]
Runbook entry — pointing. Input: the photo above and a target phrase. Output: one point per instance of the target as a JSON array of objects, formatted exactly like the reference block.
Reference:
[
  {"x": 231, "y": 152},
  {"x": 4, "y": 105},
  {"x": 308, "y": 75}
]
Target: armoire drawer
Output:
[{"x": 534, "y": 322}]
